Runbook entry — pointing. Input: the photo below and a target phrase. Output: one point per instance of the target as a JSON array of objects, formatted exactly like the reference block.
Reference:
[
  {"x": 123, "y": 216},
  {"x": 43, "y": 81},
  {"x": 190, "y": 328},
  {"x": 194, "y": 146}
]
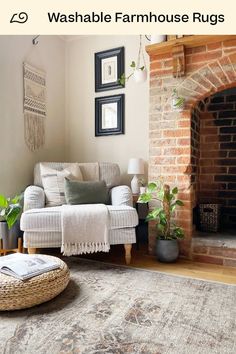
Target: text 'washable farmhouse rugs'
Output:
[{"x": 34, "y": 106}]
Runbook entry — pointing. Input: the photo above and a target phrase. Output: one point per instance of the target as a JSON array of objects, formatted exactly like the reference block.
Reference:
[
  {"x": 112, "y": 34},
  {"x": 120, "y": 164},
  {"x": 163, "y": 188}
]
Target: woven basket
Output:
[
  {"x": 16, "y": 294},
  {"x": 209, "y": 217}
]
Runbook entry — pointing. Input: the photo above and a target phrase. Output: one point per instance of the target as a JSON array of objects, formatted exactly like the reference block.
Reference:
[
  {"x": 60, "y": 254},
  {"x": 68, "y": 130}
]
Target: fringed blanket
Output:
[
  {"x": 34, "y": 106},
  {"x": 84, "y": 229}
]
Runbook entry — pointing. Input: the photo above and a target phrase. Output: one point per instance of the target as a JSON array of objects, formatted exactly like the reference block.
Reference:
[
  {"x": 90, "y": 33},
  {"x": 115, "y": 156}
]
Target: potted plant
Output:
[
  {"x": 10, "y": 210},
  {"x": 177, "y": 100},
  {"x": 139, "y": 71},
  {"x": 167, "y": 247},
  {"x": 142, "y": 183},
  {"x": 156, "y": 38}
]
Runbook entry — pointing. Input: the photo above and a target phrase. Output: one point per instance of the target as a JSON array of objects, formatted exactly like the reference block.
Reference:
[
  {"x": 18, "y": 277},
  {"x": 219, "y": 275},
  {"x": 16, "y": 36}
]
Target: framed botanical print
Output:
[
  {"x": 109, "y": 66},
  {"x": 109, "y": 115}
]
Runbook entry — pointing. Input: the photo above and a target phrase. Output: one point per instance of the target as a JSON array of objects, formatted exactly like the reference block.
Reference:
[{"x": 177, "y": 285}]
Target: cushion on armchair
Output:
[
  {"x": 53, "y": 182},
  {"x": 87, "y": 192}
]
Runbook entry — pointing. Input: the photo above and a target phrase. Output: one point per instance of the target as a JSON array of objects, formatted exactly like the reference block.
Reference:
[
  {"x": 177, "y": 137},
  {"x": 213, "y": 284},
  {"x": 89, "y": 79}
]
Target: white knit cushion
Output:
[{"x": 53, "y": 182}]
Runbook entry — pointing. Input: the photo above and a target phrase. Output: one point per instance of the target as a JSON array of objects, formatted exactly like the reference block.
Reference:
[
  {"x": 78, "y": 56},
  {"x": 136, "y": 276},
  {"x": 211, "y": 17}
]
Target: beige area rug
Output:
[{"x": 112, "y": 309}]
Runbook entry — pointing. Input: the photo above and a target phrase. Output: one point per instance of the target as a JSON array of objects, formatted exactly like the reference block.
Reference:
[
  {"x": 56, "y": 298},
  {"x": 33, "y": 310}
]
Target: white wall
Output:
[
  {"x": 16, "y": 161},
  {"x": 82, "y": 145}
]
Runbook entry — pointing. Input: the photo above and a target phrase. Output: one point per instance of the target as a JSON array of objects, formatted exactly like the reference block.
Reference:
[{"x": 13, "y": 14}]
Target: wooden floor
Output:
[{"x": 140, "y": 259}]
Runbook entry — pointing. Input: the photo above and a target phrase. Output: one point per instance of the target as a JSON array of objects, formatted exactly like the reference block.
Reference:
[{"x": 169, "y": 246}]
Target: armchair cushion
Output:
[
  {"x": 86, "y": 192},
  {"x": 34, "y": 197},
  {"x": 49, "y": 219},
  {"x": 53, "y": 182}
]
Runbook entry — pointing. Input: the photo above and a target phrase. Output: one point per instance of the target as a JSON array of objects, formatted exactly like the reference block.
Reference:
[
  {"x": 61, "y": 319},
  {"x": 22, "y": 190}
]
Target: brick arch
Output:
[
  {"x": 170, "y": 131},
  {"x": 213, "y": 77}
]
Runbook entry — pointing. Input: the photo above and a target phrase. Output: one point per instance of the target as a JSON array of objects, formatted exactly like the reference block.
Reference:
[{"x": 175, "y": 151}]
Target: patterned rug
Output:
[{"x": 112, "y": 309}]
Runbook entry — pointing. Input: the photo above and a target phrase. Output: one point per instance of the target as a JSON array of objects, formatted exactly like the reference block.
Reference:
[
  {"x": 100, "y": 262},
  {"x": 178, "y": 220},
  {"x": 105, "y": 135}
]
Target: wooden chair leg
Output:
[
  {"x": 32, "y": 250},
  {"x": 19, "y": 250},
  {"x": 128, "y": 248}
]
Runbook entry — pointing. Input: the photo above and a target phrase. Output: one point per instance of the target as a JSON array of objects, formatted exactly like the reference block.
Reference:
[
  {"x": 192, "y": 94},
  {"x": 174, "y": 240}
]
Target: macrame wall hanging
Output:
[{"x": 34, "y": 106}]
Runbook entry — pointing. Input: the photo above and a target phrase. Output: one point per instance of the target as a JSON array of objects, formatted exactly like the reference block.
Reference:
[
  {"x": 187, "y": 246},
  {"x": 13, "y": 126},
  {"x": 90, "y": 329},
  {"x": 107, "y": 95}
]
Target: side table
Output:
[{"x": 142, "y": 228}]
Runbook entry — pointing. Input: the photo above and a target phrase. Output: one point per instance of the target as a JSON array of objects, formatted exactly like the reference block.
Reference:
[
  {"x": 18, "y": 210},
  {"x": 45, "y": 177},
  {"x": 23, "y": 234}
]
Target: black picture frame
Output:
[
  {"x": 118, "y": 118},
  {"x": 117, "y": 56}
]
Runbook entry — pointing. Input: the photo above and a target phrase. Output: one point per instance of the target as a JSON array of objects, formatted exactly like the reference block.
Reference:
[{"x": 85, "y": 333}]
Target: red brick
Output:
[
  {"x": 173, "y": 169},
  {"x": 183, "y": 160},
  {"x": 206, "y": 162},
  {"x": 176, "y": 133},
  {"x": 166, "y": 142},
  {"x": 232, "y": 58},
  {"x": 223, "y": 252},
  {"x": 163, "y": 160},
  {"x": 200, "y": 249},
  {"x": 229, "y": 262},
  {"x": 155, "y": 65},
  {"x": 229, "y": 50},
  {"x": 209, "y": 75},
  {"x": 158, "y": 73},
  {"x": 161, "y": 56},
  {"x": 193, "y": 67},
  {"x": 212, "y": 138},
  {"x": 184, "y": 196},
  {"x": 183, "y": 142},
  {"x": 227, "y": 68},
  {"x": 168, "y": 63},
  {"x": 207, "y": 259},
  {"x": 177, "y": 151},
  {"x": 230, "y": 43},
  {"x": 209, "y": 131},
  {"x": 213, "y": 170},
  {"x": 202, "y": 81},
  {"x": 203, "y": 57},
  {"x": 215, "y": 67},
  {"x": 200, "y": 49},
  {"x": 211, "y": 146},
  {"x": 213, "y": 46}
]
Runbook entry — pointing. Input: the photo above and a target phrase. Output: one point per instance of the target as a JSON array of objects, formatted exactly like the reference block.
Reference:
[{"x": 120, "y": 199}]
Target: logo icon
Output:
[{"x": 22, "y": 17}]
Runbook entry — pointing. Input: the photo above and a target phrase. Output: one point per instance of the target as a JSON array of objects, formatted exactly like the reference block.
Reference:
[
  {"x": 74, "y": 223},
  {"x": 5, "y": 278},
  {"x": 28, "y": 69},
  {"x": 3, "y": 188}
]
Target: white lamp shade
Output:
[{"x": 136, "y": 166}]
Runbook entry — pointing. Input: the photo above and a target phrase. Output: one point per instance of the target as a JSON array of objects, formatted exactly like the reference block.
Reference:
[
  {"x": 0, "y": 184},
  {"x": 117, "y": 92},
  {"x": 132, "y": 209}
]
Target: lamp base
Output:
[{"x": 135, "y": 185}]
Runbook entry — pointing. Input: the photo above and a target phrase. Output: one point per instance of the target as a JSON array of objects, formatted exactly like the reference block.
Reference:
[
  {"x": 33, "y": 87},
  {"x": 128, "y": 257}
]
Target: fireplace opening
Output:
[{"x": 213, "y": 155}]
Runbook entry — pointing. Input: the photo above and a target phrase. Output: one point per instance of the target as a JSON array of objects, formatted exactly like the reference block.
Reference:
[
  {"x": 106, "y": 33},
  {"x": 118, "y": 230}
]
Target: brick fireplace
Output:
[{"x": 195, "y": 147}]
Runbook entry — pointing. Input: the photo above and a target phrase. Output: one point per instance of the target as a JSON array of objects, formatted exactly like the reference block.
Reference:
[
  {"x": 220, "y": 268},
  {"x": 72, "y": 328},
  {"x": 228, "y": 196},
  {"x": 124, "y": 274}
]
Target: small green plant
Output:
[
  {"x": 123, "y": 79},
  {"x": 177, "y": 100},
  {"x": 10, "y": 209},
  {"x": 166, "y": 228}
]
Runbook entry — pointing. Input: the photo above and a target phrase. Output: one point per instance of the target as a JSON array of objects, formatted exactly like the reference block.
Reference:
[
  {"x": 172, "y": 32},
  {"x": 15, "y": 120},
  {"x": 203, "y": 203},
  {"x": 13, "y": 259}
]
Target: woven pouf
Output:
[{"x": 17, "y": 294}]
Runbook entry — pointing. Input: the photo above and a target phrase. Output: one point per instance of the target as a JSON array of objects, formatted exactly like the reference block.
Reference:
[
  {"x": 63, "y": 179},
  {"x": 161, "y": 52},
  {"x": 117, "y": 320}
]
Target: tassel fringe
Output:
[
  {"x": 70, "y": 249},
  {"x": 34, "y": 131}
]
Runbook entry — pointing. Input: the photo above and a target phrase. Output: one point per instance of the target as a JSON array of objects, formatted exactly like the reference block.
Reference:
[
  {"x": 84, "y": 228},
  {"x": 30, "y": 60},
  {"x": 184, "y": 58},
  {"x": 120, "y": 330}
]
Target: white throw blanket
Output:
[{"x": 84, "y": 229}]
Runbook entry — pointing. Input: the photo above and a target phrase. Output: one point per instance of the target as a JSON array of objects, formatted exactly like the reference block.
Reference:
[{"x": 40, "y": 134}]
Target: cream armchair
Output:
[{"x": 42, "y": 225}]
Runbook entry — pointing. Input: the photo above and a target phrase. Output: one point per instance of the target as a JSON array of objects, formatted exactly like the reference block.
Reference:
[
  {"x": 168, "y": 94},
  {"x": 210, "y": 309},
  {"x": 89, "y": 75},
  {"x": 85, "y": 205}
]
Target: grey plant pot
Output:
[
  {"x": 167, "y": 251},
  {"x": 9, "y": 237}
]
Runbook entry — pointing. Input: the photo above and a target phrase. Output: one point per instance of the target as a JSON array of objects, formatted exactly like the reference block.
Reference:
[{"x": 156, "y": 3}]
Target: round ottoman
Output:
[{"x": 16, "y": 294}]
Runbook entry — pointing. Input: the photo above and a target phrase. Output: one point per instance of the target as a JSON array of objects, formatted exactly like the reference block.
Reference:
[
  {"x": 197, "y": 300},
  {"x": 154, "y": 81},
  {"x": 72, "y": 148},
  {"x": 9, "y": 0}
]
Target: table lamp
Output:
[{"x": 135, "y": 167}]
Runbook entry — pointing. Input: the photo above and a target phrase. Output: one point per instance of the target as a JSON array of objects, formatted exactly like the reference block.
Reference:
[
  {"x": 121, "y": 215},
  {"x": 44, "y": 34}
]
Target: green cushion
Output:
[{"x": 86, "y": 192}]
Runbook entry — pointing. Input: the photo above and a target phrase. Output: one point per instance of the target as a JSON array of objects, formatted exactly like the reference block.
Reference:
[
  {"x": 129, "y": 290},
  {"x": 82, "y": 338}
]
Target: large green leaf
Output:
[
  {"x": 3, "y": 202},
  {"x": 174, "y": 190},
  {"x": 179, "y": 202},
  {"x": 145, "y": 198},
  {"x": 16, "y": 199},
  {"x": 151, "y": 187},
  {"x": 12, "y": 214}
]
